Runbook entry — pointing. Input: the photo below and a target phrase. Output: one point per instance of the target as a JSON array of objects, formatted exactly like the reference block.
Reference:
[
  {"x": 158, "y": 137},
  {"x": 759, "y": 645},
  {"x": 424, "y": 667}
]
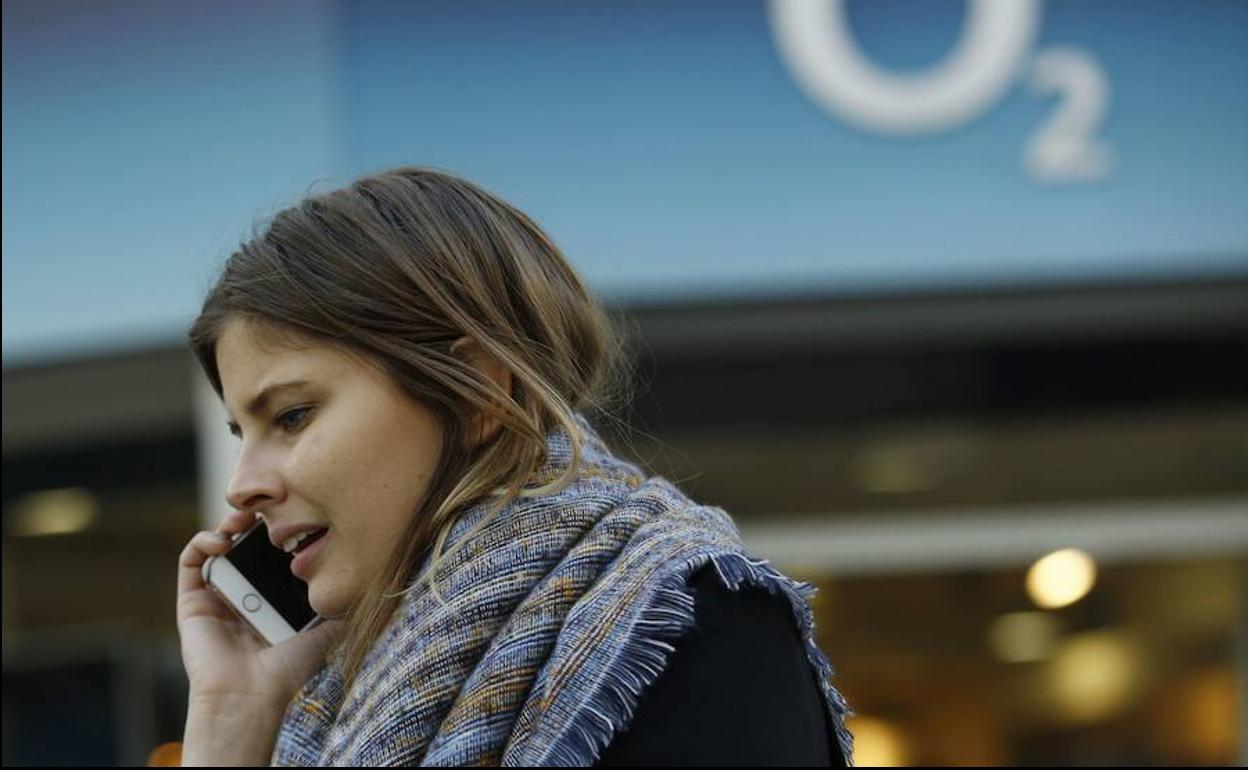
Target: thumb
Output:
[
  {"x": 326, "y": 636},
  {"x": 312, "y": 646}
]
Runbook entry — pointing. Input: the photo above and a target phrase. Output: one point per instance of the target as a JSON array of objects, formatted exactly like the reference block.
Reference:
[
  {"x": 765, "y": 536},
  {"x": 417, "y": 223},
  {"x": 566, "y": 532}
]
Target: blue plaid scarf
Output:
[{"x": 562, "y": 610}]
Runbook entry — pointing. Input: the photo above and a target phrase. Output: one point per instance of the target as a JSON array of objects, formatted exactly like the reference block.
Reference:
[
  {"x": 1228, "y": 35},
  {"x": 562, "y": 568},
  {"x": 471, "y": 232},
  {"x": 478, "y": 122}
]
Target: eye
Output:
[{"x": 284, "y": 422}]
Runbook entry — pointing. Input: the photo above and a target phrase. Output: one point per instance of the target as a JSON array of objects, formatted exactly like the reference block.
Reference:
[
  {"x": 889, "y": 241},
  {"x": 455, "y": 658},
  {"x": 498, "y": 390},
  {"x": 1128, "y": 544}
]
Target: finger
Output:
[
  {"x": 203, "y": 604},
  {"x": 323, "y": 638},
  {"x": 328, "y": 636},
  {"x": 236, "y": 522},
  {"x": 191, "y": 561},
  {"x": 329, "y": 633}
]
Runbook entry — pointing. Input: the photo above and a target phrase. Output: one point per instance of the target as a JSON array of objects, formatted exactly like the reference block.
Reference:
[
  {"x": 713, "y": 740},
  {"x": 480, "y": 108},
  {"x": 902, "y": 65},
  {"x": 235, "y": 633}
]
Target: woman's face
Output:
[{"x": 347, "y": 451}]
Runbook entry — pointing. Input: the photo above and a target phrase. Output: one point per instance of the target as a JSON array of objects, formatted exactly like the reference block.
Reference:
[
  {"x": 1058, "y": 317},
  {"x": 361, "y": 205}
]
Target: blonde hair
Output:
[{"x": 396, "y": 268}]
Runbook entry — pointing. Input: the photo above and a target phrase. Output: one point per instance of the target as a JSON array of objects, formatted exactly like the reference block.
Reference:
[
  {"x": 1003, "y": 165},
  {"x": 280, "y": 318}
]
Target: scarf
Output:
[{"x": 561, "y": 611}]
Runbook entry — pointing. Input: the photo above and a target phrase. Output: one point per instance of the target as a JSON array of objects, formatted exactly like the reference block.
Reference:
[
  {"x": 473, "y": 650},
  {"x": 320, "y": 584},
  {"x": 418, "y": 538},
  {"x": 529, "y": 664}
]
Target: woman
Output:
[{"x": 406, "y": 363}]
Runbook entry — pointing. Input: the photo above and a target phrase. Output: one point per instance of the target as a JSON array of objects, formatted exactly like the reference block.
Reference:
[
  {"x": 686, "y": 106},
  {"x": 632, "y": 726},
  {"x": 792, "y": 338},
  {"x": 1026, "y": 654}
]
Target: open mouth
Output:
[{"x": 310, "y": 539}]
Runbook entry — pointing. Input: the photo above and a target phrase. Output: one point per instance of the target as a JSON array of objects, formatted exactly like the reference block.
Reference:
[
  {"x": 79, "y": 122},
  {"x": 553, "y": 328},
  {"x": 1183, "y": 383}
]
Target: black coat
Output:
[{"x": 738, "y": 690}]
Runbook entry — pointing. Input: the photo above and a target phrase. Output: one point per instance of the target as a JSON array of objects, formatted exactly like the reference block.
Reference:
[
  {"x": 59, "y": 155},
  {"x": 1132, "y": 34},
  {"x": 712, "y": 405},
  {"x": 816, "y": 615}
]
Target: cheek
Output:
[
  {"x": 328, "y": 466},
  {"x": 310, "y": 456},
  {"x": 367, "y": 478}
]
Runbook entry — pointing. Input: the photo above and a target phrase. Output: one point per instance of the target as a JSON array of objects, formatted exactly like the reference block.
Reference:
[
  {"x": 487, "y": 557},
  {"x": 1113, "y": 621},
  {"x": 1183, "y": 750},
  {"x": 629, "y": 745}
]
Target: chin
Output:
[{"x": 325, "y": 606}]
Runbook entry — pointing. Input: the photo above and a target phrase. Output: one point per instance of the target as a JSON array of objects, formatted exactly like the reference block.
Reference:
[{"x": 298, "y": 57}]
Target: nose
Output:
[{"x": 253, "y": 484}]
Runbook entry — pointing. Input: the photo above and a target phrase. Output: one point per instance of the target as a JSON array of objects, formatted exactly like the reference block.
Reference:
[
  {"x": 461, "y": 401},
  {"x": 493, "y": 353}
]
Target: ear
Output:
[{"x": 485, "y": 427}]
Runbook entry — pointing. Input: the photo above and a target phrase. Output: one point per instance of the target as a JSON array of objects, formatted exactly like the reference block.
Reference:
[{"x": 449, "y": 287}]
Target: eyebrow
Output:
[{"x": 261, "y": 401}]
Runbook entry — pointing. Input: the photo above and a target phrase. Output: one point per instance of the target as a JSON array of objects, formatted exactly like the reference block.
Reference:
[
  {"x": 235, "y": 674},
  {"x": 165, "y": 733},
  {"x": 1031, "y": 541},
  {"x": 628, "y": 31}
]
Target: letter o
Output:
[{"x": 815, "y": 42}]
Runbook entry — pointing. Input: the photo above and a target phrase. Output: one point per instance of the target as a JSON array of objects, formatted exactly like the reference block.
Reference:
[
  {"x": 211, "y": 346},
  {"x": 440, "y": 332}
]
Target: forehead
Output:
[{"x": 251, "y": 355}]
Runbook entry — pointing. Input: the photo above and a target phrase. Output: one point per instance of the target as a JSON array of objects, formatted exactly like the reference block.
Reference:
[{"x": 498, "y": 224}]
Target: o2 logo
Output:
[{"x": 994, "y": 50}]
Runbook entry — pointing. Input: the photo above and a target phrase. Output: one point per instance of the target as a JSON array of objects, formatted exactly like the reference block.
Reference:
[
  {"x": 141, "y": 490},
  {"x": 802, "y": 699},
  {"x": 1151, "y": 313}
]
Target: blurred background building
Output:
[{"x": 946, "y": 302}]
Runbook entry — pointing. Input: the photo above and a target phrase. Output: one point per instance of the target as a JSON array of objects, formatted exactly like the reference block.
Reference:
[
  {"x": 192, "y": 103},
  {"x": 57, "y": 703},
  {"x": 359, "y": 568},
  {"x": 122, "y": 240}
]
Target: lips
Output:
[
  {"x": 283, "y": 534},
  {"x": 301, "y": 565},
  {"x": 302, "y": 540}
]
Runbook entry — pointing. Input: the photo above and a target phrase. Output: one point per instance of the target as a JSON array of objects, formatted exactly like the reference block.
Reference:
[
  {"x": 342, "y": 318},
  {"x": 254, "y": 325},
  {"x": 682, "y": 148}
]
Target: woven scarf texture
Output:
[{"x": 562, "y": 610}]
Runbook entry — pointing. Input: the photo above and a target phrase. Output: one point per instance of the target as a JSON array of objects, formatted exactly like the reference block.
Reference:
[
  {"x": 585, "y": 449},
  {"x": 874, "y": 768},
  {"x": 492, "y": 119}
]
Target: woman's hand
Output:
[{"x": 232, "y": 673}]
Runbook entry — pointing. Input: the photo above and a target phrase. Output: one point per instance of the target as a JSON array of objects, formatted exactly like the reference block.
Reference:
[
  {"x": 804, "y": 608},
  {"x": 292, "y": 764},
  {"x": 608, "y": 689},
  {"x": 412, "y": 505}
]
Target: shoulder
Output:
[
  {"x": 720, "y": 608},
  {"x": 737, "y": 689}
]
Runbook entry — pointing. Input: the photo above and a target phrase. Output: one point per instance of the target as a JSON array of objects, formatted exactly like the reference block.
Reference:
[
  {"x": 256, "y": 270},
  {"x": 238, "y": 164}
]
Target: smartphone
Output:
[{"x": 255, "y": 580}]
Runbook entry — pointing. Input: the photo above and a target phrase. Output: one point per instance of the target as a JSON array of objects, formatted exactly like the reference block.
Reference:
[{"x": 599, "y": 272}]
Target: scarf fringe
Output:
[{"x": 611, "y": 705}]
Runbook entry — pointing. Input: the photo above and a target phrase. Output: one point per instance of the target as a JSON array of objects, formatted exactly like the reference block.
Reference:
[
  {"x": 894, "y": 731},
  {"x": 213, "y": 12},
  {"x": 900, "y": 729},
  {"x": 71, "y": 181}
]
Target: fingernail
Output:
[{"x": 220, "y": 535}]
